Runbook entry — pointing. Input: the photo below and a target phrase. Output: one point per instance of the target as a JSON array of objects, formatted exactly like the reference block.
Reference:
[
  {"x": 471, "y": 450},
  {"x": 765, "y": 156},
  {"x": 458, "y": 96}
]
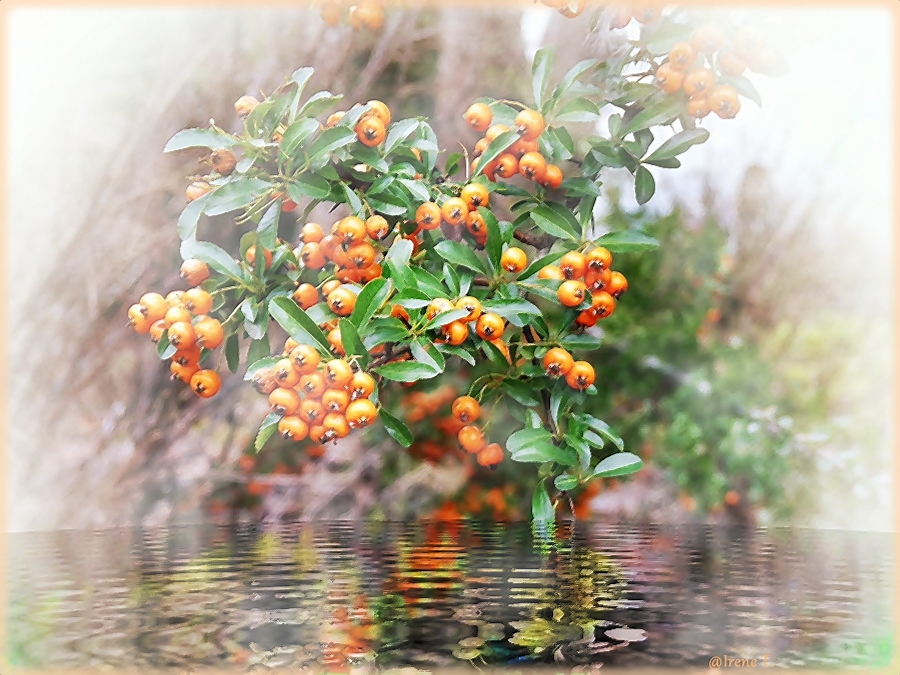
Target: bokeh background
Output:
[{"x": 752, "y": 355}]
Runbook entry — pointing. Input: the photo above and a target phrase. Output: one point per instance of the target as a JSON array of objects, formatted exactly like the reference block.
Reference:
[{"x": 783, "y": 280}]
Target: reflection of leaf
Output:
[
  {"x": 539, "y": 634},
  {"x": 466, "y": 653}
]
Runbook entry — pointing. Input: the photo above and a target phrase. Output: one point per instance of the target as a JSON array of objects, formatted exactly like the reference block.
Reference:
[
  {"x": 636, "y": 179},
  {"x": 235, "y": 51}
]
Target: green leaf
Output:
[
  {"x": 495, "y": 149},
  {"x": 308, "y": 185},
  {"x": 330, "y": 140},
  {"x": 510, "y": 309},
  {"x": 261, "y": 364},
  {"x": 627, "y": 240},
  {"x": 446, "y": 317},
  {"x": 644, "y": 185},
  {"x": 416, "y": 188},
  {"x": 213, "y": 256},
  {"x": 565, "y": 482},
  {"x": 540, "y": 73},
  {"x": 551, "y": 221},
  {"x": 298, "y": 324},
  {"x": 232, "y": 352},
  {"x": 428, "y": 282},
  {"x": 577, "y": 110},
  {"x": 536, "y": 445},
  {"x": 407, "y": 371},
  {"x": 541, "y": 506},
  {"x": 319, "y": 103},
  {"x": 198, "y": 138},
  {"x": 679, "y": 143},
  {"x": 187, "y": 221},
  {"x": 425, "y": 352},
  {"x": 352, "y": 343},
  {"x": 258, "y": 349},
  {"x": 369, "y": 300},
  {"x": 353, "y": 201},
  {"x": 234, "y": 195},
  {"x": 671, "y": 163},
  {"x": 385, "y": 330},
  {"x": 164, "y": 348},
  {"x": 398, "y": 132},
  {"x": 573, "y": 74},
  {"x": 603, "y": 429},
  {"x": 584, "y": 341},
  {"x": 494, "y": 243},
  {"x": 457, "y": 351},
  {"x": 267, "y": 230},
  {"x": 268, "y": 427},
  {"x": 582, "y": 187},
  {"x": 662, "y": 112},
  {"x": 296, "y": 134},
  {"x": 524, "y": 438},
  {"x": 400, "y": 252},
  {"x": 619, "y": 464},
  {"x": 459, "y": 254},
  {"x": 522, "y": 392},
  {"x": 397, "y": 429}
]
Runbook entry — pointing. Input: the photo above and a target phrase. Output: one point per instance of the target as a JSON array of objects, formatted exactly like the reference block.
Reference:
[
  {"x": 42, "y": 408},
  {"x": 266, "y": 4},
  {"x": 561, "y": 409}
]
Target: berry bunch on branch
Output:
[{"x": 487, "y": 264}]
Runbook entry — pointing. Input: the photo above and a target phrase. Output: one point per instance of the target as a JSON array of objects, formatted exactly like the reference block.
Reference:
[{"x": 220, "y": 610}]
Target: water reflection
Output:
[{"x": 348, "y": 596}]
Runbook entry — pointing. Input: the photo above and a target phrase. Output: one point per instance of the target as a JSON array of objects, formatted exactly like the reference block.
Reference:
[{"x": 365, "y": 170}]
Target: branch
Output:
[{"x": 539, "y": 241}]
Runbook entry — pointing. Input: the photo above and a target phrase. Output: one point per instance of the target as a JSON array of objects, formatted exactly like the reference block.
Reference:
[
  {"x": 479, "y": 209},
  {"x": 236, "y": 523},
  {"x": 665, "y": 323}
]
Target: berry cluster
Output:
[
  {"x": 466, "y": 409},
  {"x": 322, "y": 401},
  {"x": 182, "y": 319},
  {"x": 523, "y": 156},
  {"x": 583, "y": 273},
  {"x": 559, "y": 363},
  {"x": 695, "y": 66}
]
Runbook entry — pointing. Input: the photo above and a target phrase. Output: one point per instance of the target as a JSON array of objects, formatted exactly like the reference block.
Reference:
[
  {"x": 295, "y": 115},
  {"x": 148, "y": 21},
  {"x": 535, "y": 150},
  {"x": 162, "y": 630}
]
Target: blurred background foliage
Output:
[{"x": 732, "y": 365}]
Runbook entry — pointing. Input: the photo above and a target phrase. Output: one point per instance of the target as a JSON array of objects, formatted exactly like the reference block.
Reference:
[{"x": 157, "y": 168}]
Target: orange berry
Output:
[
  {"x": 599, "y": 258},
  {"x": 312, "y": 385},
  {"x": 334, "y": 118},
  {"x": 209, "y": 331},
  {"x": 205, "y": 383},
  {"x": 557, "y": 361},
  {"x": 187, "y": 355},
  {"x": 380, "y": 110},
  {"x": 471, "y": 439},
  {"x": 699, "y": 81},
  {"x": 138, "y": 319},
  {"x": 311, "y": 233},
  {"x": 580, "y": 375},
  {"x": 312, "y": 410},
  {"x": 350, "y": 230},
  {"x": 507, "y": 165},
  {"x": 154, "y": 306},
  {"x": 304, "y": 359},
  {"x": 361, "y": 413},
  {"x": 306, "y": 296},
  {"x": 571, "y": 293},
  {"x": 529, "y": 124},
  {"x": 682, "y": 56},
  {"x": 285, "y": 373},
  {"x": 293, "y": 428},
  {"x": 370, "y": 131},
  {"x": 338, "y": 373},
  {"x": 475, "y": 224},
  {"x": 698, "y": 107},
  {"x": 183, "y": 372},
  {"x": 553, "y": 177},
  {"x": 454, "y": 211},
  {"x": 175, "y": 298},
  {"x": 428, "y": 216},
  {"x": 437, "y": 306},
  {"x": 337, "y": 424},
  {"x": 602, "y": 304},
  {"x": 668, "y": 78},
  {"x": 573, "y": 265},
  {"x": 466, "y": 409},
  {"x": 475, "y": 195},
  {"x": 284, "y": 401},
  {"x": 471, "y": 305},
  {"x": 361, "y": 385},
  {"x": 490, "y": 456},
  {"x": 490, "y": 326},
  {"x": 336, "y": 400},
  {"x": 197, "y": 301},
  {"x": 723, "y": 100},
  {"x": 479, "y": 116},
  {"x": 456, "y": 332},
  {"x": 708, "y": 38},
  {"x": 250, "y": 255},
  {"x": 617, "y": 285},
  {"x": 194, "y": 271},
  {"x": 334, "y": 339},
  {"x": 329, "y": 286},
  {"x": 182, "y": 334},
  {"x": 494, "y": 131},
  {"x": 514, "y": 260},
  {"x": 533, "y": 166},
  {"x": 377, "y": 227},
  {"x": 551, "y": 272},
  {"x": 157, "y": 329}
]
